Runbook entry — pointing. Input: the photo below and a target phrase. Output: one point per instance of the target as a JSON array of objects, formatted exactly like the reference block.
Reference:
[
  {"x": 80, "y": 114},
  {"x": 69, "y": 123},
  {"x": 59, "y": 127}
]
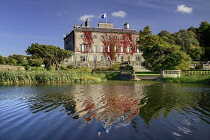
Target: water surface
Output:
[{"x": 113, "y": 110}]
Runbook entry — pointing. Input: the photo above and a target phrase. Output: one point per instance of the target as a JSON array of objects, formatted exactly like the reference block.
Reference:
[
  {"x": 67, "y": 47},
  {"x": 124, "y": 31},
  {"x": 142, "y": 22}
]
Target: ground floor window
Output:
[
  {"x": 95, "y": 58},
  {"x": 83, "y": 58},
  {"x": 102, "y": 58},
  {"x": 138, "y": 58},
  {"x": 122, "y": 58}
]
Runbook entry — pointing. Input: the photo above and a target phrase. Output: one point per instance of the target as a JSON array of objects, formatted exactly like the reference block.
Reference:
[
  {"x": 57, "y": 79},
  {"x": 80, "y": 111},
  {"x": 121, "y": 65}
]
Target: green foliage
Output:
[
  {"x": 20, "y": 59},
  {"x": 126, "y": 67},
  {"x": 34, "y": 61},
  {"x": 51, "y": 55},
  {"x": 115, "y": 67},
  {"x": 12, "y": 61},
  {"x": 71, "y": 66},
  {"x": 84, "y": 69},
  {"x": 189, "y": 79},
  {"x": 38, "y": 69},
  {"x": 64, "y": 68},
  {"x": 27, "y": 67},
  {"x": 2, "y": 61},
  {"x": 204, "y": 33},
  {"x": 160, "y": 55},
  {"x": 112, "y": 75},
  {"x": 27, "y": 77}
]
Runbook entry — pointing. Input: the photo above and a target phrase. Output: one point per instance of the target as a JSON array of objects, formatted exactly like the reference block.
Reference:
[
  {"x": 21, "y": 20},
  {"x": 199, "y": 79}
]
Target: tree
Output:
[
  {"x": 2, "y": 61},
  {"x": 21, "y": 59},
  {"x": 51, "y": 55},
  {"x": 12, "y": 61},
  {"x": 159, "y": 54},
  {"x": 166, "y": 36},
  {"x": 187, "y": 39},
  {"x": 204, "y": 31}
]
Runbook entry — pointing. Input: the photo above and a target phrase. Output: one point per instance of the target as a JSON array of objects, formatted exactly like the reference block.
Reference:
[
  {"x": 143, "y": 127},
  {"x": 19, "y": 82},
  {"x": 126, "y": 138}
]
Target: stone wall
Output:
[{"x": 10, "y": 67}]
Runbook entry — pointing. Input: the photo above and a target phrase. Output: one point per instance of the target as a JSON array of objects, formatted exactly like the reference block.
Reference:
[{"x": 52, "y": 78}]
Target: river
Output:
[{"x": 113, "y": 110}]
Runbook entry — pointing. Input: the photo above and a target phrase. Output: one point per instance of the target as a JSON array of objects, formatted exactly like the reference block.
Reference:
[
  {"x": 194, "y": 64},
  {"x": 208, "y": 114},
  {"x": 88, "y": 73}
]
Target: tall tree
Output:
[{"x": 51, "y": 55}]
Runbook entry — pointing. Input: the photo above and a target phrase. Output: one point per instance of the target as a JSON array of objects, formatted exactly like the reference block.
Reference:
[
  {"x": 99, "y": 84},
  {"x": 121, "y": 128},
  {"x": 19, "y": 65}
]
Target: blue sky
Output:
[{"x": 23, "y": 22}]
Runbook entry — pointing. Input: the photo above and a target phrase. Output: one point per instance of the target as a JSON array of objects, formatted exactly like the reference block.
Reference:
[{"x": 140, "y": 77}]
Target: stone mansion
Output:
[{"x": 102, "y": 46}]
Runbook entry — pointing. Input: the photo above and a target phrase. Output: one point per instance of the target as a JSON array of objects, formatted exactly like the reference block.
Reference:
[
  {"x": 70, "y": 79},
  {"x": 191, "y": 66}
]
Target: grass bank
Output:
[
  {"x": 146, "y": 73},
  {"x": 62, "y": 76},
  {"x": 188, "y": 79}
]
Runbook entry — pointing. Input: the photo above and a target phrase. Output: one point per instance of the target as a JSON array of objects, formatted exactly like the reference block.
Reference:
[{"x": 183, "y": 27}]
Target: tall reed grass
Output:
[
  {"x": 189, "y": 79},
  {"x": 27, "y": 77}
]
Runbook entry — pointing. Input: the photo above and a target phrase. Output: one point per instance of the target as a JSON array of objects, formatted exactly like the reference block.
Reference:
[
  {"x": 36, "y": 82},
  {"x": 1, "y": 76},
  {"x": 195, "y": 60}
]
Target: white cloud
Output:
[
  {"x": 121, "y": 14},
  {"x": 83, "y": 18},
  {"x": 183, "y": 9}
]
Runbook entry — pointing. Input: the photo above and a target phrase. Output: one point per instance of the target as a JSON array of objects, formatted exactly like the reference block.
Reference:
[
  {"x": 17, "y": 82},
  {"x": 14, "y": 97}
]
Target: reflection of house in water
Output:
[{"x": 107, "y": 104}]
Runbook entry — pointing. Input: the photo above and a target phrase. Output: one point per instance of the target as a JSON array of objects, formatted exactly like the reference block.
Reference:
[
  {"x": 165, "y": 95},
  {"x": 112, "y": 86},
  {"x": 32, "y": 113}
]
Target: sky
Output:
[{"x": 23, "y": 22}]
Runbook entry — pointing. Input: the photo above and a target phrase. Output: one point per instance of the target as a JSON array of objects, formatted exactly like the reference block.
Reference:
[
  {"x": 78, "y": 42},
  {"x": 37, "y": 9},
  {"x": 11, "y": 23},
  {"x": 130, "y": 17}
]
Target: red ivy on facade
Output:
[
  {"x": 88, "y": 41},
  {"x": 112, "y": 44}
]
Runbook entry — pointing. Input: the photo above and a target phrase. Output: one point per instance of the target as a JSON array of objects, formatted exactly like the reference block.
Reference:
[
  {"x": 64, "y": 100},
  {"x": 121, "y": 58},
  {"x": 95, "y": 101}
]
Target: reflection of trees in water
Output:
[
  {"x": 118, "y": 104},
  {"x": 162, "y": 98}
]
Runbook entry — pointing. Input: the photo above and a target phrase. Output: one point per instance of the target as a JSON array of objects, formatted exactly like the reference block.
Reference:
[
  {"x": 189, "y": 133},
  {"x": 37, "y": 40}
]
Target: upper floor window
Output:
[
  {"x": 82, "y": 36},
  {"x": 102, "y": 37},
  {"x": 121, "y": 49},
  {"x": 82, "y": 47},
  {"x": 94, "y": 49},
  {"x": 102, "y": 48},
  {"x": 94, "y": 36}
]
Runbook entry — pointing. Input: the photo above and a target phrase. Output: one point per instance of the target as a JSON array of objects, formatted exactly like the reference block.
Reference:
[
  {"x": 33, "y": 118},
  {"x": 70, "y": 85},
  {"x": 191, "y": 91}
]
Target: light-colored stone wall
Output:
[
  {"x": 10, "y": 67},
  {"x": 75, "y": 39},
  {"x": 171, "y": 73}
]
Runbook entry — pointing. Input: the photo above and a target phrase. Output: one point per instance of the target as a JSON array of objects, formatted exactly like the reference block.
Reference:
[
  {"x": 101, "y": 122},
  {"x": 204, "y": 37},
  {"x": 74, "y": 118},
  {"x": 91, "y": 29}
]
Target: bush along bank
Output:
[
  {"x": 205, "y": 79},
  {"x": 61, "y": 76}
]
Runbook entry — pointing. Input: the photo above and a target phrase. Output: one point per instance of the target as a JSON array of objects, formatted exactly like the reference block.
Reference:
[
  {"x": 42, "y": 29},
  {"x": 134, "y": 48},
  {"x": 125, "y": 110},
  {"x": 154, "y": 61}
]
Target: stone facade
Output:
[{"x": 102, "y": 46}]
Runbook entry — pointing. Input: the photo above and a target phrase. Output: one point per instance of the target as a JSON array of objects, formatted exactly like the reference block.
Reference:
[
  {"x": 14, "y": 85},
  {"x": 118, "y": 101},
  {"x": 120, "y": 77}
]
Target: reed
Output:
[
  {"x": 189, "y": 79},
  {"x": 26, "y": 77}
]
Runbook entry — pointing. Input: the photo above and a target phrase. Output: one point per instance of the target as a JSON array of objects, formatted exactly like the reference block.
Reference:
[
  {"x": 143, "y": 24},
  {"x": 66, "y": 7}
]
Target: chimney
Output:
[
  {"x": 87, "y": 23},
  {"x": 126, "y": 26}
]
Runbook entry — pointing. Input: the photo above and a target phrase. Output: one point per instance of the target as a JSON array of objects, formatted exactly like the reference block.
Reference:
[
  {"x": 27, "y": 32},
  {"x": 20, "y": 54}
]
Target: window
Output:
[
  {"x": 102, "y": 48},
  {"x": 82, "y": 58},
  {"x": 95, "y": 58},
  {"x": 82, "y": 36},
  {"x": 137, "y": 50},
  {"x": 94, "y": 49},
  {"x": 122, "y": 58},
  {"x": 102, "y": 58},
  {"x": 94, "y": 36},
  {"x": 128, "y": 49},
  {"x": 115, "y": 58},
  {"x": 102, "y": 37},
  {"x": 108, "y": 48},
  {"x": 82, "y": 47},
  {"x": 138, "y": 58},
  {"x": 129, "y": 58},
  {"x": 121, "y": 49}
]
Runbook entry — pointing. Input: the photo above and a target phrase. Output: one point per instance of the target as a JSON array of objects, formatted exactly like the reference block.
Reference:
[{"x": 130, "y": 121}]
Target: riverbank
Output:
[
  {"x": 205, "y": 79},
  {"x": 60, "y": 76}
]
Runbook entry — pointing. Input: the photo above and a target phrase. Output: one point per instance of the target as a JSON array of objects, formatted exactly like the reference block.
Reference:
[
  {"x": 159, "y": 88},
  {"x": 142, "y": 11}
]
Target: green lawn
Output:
[{"x": 146, "y": 73}]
